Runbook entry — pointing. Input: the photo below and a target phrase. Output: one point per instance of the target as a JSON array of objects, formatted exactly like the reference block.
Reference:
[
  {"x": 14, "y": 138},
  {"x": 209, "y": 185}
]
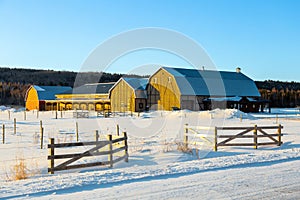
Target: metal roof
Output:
[
  {"x": 213, "y": 83},
  {"x": 138, "y": 85},
  {"x": 49, "y": 92},
  {"x": 95, "y": 88}
]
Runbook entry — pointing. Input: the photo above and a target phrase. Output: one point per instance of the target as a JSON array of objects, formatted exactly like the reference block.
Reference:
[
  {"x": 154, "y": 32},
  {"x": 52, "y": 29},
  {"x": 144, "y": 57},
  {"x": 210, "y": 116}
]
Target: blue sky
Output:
[{"x": 261, "y": 37}]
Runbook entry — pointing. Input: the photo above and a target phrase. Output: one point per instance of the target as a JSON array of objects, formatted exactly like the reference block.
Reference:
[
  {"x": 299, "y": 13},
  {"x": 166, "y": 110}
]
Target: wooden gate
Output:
[
  {"x": 95, "y": 151},
  {"x": 214, "y": 136}
]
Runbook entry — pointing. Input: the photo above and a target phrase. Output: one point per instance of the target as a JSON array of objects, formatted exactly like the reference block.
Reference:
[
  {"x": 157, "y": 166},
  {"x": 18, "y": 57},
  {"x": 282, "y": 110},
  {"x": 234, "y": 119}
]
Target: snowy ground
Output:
[{"x": 156, "y": 169}]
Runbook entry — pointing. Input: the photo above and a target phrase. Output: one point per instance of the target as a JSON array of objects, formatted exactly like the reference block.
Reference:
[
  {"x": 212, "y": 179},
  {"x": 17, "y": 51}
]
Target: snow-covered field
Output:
[{"x": 156, "y": 169}]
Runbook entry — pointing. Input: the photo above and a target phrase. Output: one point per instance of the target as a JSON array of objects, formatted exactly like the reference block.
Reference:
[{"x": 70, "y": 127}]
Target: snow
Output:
[{"x": 156, "y": 169}]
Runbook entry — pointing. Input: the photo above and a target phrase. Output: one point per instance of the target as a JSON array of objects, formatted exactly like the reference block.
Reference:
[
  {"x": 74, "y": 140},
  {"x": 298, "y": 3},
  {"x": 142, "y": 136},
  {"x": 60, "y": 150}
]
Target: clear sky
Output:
[{"x": 260, "y": 36}]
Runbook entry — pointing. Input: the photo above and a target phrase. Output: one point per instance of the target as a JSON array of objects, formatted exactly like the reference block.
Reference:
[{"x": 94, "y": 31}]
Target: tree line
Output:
[{"x": 14, "y": 83}]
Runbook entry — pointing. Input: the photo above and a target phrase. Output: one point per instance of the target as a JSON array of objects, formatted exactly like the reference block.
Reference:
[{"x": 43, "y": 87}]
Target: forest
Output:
[{"x": 14, "y": 82}]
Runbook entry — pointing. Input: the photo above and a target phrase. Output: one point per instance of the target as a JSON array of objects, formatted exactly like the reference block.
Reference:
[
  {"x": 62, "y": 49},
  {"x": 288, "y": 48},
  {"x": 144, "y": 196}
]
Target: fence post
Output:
[
  {"x": 118, "y": 130},
  {"x": 61, "y": 114},
  {"x": 255, "y": 136},
  {"x": 42, "y": 137},
  {"x": 110, "y": 151},
  {"x": 3, "y": 133},
  {"x": 51, "y": 154},
  {"x": 24, "y": 115},
  {"x": 126, "y": 146},
  {"x": 56, "y": 114},
  {"x": 8, "y": 114},
  {"x": 216, "y": 139},
  {"x": 279, "y": 135},
  {"x": 185, "y": 139},
  {"x": 97, "y": 138},
  {"x": 15, "y": 126},
  {"x": 77, "y": 135}
]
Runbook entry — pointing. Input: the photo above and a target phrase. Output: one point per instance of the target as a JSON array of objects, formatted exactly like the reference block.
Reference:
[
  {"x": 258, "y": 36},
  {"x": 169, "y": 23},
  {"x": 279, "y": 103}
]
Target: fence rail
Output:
[
  {"x": 113, "y": 145},
  {"x": 257, "y": 132}
]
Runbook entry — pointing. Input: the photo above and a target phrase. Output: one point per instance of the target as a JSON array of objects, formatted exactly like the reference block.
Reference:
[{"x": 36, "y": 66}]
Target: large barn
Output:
[
  {"x": 93, "y": 96},
  {"x": 179, "y": 88},
  {"x": 42, "y": 97},
  {"x": 129, "y": 94}
]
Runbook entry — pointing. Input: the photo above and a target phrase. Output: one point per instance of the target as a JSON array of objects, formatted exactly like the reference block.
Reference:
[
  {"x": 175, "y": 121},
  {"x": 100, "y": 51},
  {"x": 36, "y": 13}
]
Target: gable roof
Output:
[
  {"x": 137, "y": 84},
  {"x": 92, "y": 88},
  {"x": 49, "y": 92},
  {"x": 213, "y": 83}
]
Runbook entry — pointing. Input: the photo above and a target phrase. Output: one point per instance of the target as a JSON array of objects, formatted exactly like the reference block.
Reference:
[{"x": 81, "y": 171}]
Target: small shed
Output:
[
  {"x": 129, "y": 94},
  {"x": 42, "y": 97}
]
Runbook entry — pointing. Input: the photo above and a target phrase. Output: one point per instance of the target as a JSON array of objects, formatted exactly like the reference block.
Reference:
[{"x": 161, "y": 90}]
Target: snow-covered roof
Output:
[
  {"x": 213, "y": 83},
  {"x": 49, "y": 92}
]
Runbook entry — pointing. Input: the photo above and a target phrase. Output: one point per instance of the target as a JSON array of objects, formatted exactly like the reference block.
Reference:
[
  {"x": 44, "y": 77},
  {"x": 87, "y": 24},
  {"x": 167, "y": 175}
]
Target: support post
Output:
[
  {"x": 118, "y": 130},
  {"x": 126, "y": 146},
  {"x": 185, "y": 139},
  {"x": 255, "y": 136},
  {"x": 3, "y": 133},
  {"x": 279, "y": 135},
  {"x": 42, "y": 138},
  {"x": 77, "y": 134},
  {"x": 110, "y": 151},
  {"x": 216, "y": 139},
  {"x": 51, "y": 154},
  {"x": 15, "y": 126},
  {"x": 56, "y": 114}
]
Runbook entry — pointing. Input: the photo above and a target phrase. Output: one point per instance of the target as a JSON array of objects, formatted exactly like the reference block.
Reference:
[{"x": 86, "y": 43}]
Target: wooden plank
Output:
[
  {"x": 79, "y": 156},
  {"x": 232, "y": 138},
  {"x": 267, "y": 143},
  {"x": 118, "y": 140},
  {"x": 266, "y": 134},
  {"x": 78, "y": 144},
  {"x": 119, "y": 159},
  {"x": 247, "y": 136},
  {"x": 51, "y": 159},
  {"x": 237, "y": 144},
  {"x": 242, "y": 128},
  {"x": 60, "y": 168}
]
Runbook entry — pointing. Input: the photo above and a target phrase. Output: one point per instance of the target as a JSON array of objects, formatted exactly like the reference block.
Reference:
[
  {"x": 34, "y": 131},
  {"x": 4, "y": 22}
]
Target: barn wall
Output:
[
  {"x": 32, "y": 100},
  {"x": 122, "y": 98},
  {"x": 163, "y": 92}
]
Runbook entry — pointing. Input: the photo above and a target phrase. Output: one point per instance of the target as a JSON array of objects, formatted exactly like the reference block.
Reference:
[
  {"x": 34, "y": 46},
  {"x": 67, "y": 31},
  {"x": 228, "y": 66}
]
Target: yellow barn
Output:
[
  {"x": 179, "y": 88},
  {"x": 129, "y": 95},
  {"x": 94, "y": 96},
  {"x": 42, "y": 97}
]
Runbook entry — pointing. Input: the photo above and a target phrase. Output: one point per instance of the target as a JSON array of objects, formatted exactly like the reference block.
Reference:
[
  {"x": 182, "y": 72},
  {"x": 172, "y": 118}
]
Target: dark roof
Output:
[
  {"x": 49, "y": 92},
  {"x": 213, "y": 83},
  {"x": 94, "y": 88},
  {"x": 138, "y": 85}
]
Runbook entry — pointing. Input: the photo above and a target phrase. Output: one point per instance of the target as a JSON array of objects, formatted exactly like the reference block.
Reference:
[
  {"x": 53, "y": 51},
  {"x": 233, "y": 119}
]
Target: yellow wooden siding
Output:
[
  {"x": 32, "y": 101},
  {"x": 163, "y": 92},
  {"x": 122, "y": 98},
  {"x": 82, "y": 96}
]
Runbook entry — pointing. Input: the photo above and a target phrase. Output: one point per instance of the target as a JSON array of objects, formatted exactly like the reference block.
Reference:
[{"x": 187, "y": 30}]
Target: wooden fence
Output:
[
  {"x": 257, "y": 132},
  {"x": 113, "y": 143}
]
